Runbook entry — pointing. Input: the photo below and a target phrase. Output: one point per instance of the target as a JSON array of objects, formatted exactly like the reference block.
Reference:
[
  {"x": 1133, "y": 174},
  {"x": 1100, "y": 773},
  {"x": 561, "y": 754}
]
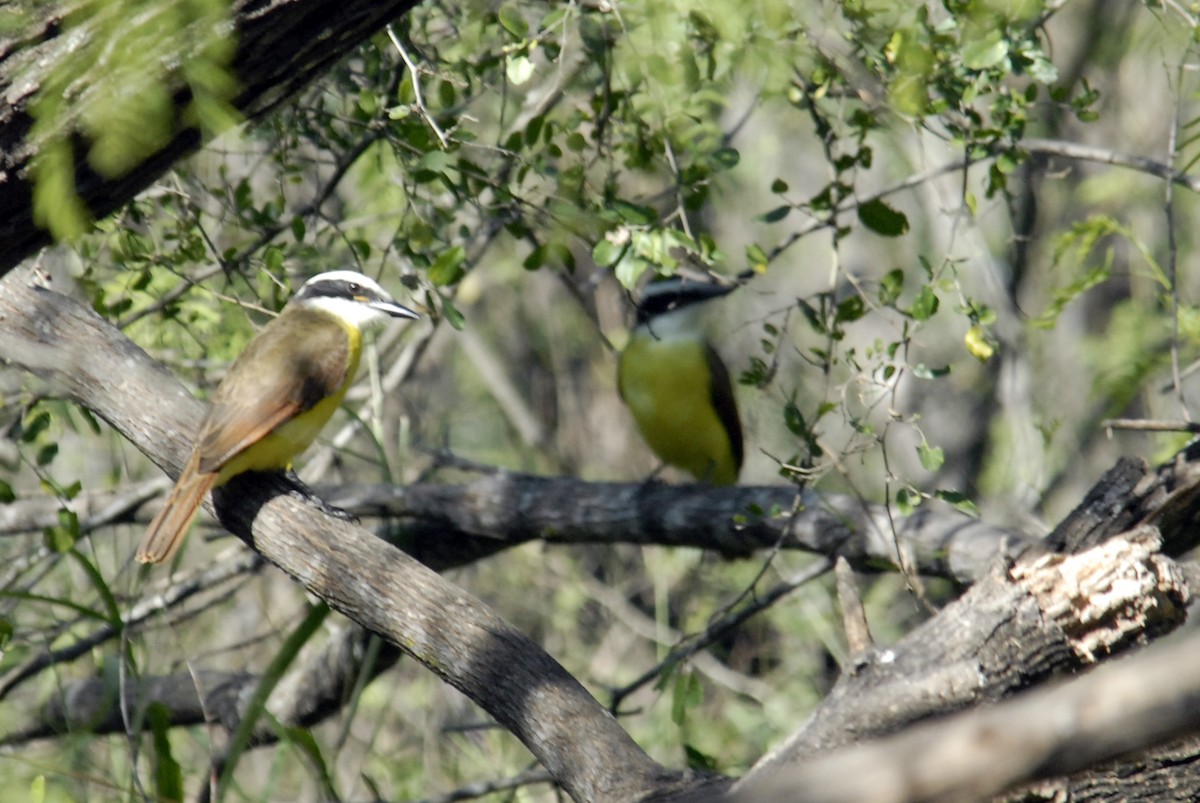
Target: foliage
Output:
[
  {"x": 113, "y": 88},
  {"x": 934, "y": 312}
]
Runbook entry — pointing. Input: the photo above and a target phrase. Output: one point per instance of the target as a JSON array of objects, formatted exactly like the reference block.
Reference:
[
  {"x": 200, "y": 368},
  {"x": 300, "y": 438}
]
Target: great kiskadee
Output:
[
  {"x": 676, "y": 386},
  {"x": 277, "y": 395}
]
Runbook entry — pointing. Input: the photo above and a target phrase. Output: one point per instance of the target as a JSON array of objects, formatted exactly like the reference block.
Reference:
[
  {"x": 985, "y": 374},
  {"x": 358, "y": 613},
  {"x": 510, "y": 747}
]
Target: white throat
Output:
[{"x": 679, "y": 324}]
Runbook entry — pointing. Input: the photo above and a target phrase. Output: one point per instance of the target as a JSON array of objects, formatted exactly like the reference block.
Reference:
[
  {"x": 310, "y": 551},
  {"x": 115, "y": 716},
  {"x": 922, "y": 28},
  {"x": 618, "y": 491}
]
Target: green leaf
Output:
[
  {"x": 890, "y": 287},
  {"x": 777, "y": 214},
  {"x": 168, "y": 775},
  {"x": 698, "y": 760},
  {"x": 58, "y": 540},
  {"x": 95, "y": 577},
  {"x": 37, "y": 790},
  {"x": 1043, "y": 70},
  {"x": 46, "y": 454},
  {"x": 629, "y": 269},
  {"x": 448, "y": 267},
  {"x": 519, "y": 69},
  {"x": 90, "y": 419},
  {"x": 576, "y": 142},
  {"x": 35, "y": 425},
  {"x": 972, "y": 203},
  {"x": 923, "y": 371},
  {"x": 850, "y": 310},
  {"x": 6, "y": 493},
  {"x": 882, "y": 219},
  {"x": 6, "y": 633},
  {"x": 907, "y": 501},
  {"x": 925, "y": 306},
  {"x": 932, "y": 457},
  {"x": 273, "y": 260},
  {"x": 685, "y": 695},
  {"x": 513, "y": 20},
  {"x": 606, "y": 253},
  {"x": 1065, "y": 295},
  {"x": 959, "y": 501},
  {"x": 987, "y": 51},
  {"x": 756, "y": 257},
  {"x": 554, "y": 255},
  {"x": 453, "y": 316},
  {"x": 303, "y": 739},
  {"x": 635, "y": 214},
  {"x": 82, "y": 610},
  {"x": 298, "y": 228},
  {"x": 793, "y": 419},
  {"x": 727, "y": 157}
]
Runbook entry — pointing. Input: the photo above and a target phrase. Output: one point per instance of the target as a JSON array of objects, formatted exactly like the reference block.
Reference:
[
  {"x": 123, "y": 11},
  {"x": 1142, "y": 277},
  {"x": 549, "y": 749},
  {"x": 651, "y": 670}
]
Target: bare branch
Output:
[
  {"x": 503, "y": 508},
  {"x": 94, "y": 508}
]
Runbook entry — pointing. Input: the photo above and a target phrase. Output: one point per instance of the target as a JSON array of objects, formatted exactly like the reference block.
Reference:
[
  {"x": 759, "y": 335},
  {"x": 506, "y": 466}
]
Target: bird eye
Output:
[{"x": 354, "y": 289}]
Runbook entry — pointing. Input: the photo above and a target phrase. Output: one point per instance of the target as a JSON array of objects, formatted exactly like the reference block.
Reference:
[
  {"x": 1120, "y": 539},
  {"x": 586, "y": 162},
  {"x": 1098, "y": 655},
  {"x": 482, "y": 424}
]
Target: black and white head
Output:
[
  {"x": 353, "y": 297},
  {"x": 673, "y": 303}
]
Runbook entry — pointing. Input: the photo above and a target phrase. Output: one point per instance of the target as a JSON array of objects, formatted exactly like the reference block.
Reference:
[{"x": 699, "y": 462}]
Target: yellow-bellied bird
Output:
[
  {"x": 676, "y": 386},
  {"x": 277, "y": 395}
]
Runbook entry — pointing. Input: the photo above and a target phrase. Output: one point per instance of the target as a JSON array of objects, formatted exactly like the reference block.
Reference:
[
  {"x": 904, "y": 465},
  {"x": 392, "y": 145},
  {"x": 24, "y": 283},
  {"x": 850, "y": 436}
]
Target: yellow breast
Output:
[
  {"x": 667, "y": 386},
  {"x": 282, "y": 445}
]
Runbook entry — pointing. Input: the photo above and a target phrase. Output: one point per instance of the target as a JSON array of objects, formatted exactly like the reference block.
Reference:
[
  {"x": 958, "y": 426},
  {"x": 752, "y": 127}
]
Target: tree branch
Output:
[{"x": 503, "y": 508}]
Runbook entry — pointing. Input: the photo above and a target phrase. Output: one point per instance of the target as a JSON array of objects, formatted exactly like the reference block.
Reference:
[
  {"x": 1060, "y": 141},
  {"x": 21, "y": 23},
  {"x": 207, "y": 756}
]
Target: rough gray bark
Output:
[
  {"x": 282, "y": 45},
  {"x": 504, "y": 508}
]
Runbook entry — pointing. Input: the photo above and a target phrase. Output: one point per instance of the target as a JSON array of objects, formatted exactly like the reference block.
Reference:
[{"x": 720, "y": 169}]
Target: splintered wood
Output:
[{"x": 1120, "y": 590}]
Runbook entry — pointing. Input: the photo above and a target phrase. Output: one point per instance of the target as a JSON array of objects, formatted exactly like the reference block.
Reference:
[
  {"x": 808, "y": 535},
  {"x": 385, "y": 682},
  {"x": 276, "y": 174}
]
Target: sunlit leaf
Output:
[{"x": 932, "y": 457}]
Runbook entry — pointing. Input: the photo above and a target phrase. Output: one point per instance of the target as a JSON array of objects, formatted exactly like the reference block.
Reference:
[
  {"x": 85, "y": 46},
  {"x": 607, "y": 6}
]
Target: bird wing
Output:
[
  {"x": 724, "y": 402},
  {"x": 295, "y": 366}
]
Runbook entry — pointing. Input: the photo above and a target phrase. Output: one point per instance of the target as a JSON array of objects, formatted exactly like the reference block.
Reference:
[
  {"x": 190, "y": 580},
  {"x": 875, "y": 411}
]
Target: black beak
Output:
[{"x": 394, "y": 309}]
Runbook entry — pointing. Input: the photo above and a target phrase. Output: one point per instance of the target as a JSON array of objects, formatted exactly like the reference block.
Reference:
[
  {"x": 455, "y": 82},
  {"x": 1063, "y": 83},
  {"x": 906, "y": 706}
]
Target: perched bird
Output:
[
  {"x": 676, "y": 386},
  {"x": 277, "y": 395}
]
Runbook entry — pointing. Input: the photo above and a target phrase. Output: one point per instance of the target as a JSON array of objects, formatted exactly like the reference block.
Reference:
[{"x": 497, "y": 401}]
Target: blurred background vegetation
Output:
[{"x": 957, "y": 276}]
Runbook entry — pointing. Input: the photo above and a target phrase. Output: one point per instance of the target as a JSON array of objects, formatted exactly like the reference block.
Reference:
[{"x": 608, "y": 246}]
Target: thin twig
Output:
[
  {"x": 416, "y": 83},
  {"x": 715, "y": 630},
  {"x": 1150, "y": 425}
]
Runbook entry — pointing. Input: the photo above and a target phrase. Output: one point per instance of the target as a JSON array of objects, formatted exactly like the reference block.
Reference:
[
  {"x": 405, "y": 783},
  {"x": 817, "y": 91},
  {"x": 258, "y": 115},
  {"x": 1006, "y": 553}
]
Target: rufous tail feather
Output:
[{"x": 166, "y": 532}]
